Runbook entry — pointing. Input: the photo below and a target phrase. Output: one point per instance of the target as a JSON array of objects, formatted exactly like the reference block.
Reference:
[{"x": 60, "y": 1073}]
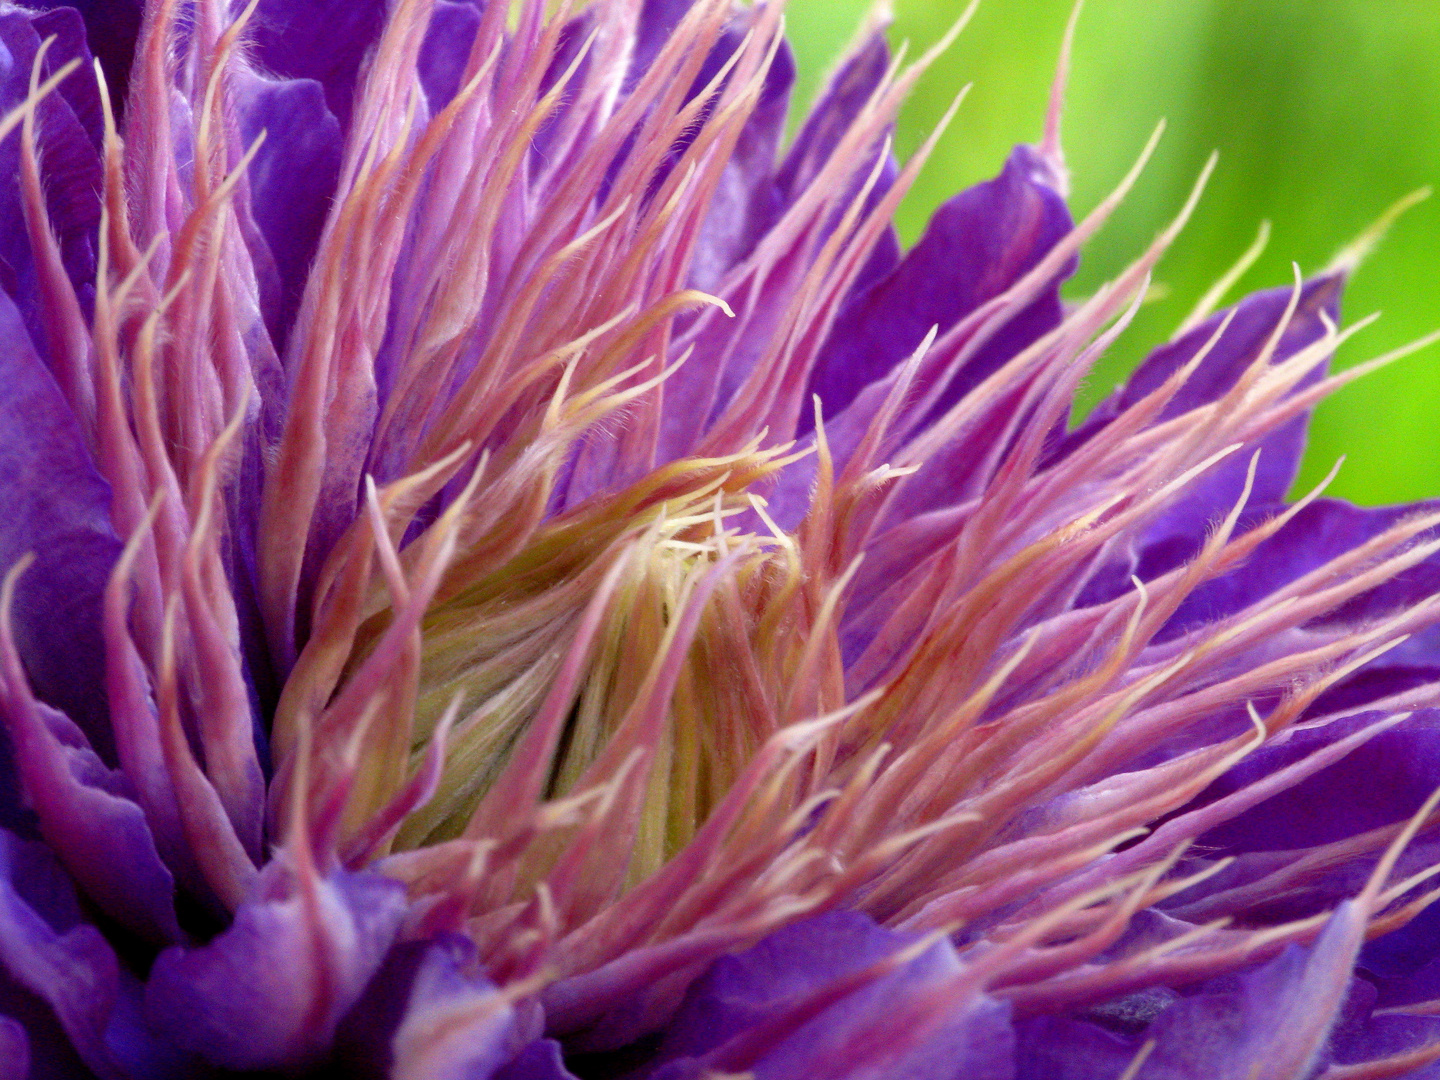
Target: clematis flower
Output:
[{"x": 512, "y": 573}]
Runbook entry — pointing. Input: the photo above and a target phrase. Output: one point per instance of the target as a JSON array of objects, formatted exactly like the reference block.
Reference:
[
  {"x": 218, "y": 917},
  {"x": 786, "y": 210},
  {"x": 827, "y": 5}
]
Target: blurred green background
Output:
[{"x": 1324, "y": 113}]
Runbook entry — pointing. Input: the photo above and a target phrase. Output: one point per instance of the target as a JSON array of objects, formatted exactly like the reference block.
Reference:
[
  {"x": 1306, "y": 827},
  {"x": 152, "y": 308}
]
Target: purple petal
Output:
[
  {"x": 324, "y": 40},
  {"x": 56, "y": 506},
  {"x": 1254, "y": 321},
  {"x": 1177, "y": 533},
  {"x": 885, "y": 1027},
  {"x": 545, "y": 155},
  {"x": 14, "y": 1050},
  {"x": 435, "y": 983},
  {"x": 68, "y": 155},
  {"x": 447, "y": 49},
  {"x": 739, "y": 991},
  {"x": 977, "y": 245},
  {"x": 1381, "y": 782},
  {"x": 832, "y": 115},
  {"x": 1209, "y": 1034},
  {"x": 541, "y": 1060},
  {"x": 975, "y": 1041},
  {"x": 1064, "y": 1048},
  {"x": 457, "y": 1024},
  {"x": 755, "y": 195},
  {"x": 1318, "y": 533},
  {"x": 68, "y": 28},
  {"x": 1387, "y": 1036},
  {"x": 292, "y": 178},
  {"x": 747, "y": 202},
  {"x": 46, "y": 1045},
  {"x": 270, "y": 990},
  {"x": 1377, "y": 784},
  {"x": 88, "y": 818},
  {"x": 656, "y": 22},
  {"x": 60, "y": 981},
  {"x": 112, "y": 27},
  {"x": 838, "y": 108},
  {"x": 67, "y": 964},
  {"x": 748, "y": 199},
  {"x": 1405, "y": 963},
  {"x": 1274, "y": 1021},
  {"x": 362, "y": 1039}
]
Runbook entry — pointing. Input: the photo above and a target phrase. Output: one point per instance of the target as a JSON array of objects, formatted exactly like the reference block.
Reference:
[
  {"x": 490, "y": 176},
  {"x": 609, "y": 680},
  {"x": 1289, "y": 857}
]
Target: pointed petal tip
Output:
[{"x": 1349, "y": 258}]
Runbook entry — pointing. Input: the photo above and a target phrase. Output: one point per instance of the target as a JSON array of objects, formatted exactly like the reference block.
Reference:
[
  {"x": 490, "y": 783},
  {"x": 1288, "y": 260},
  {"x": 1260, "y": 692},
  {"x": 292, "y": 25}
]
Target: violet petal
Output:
[
  {"x": 1178, "y": 532},
  {"x": 63, "y": 985},
  {"x": 1384, "y": 781},
  {"x": 832, "y": 115},
  {"x": 46, "y": 1044},
  {"x": 739, "y": 991},
  {"x": 68, "y": 965},
  {"x": 1273, "y": 1022},
  {"x": 745, "y": 205},
  {"x": 747, "y": 200},
  {"x": 88, "y": 818},
  {"x": 14, "y": 1050},
  {"x": 68, "y": 28},
  {"x": 1405, "y": 963},
  {"x": 573, "y": 37},
  {"x": 977, "y": 245},
  {"x": 1064, "y": 1048},
  {"x": 112, "y": 28},
  {"x": 56, "y": 506},
  {"x": 847, "y": 93},
  {"x": 541, "y": 1060},
  {"x": 457, "y": 1024},
  {"x": 434, "y": 983},
  {"x": 654, "y": 25},
  {"x": 1232, "y": 1035},
  {"x": 1320, "y": 532},
  {"x": 269, "y": 991},
  {"x": 324, "y": 40},
  {"x": 1254, "y": 321},
  {"x": 292, "y": 177},
  {"x": 363, "y": 1036},
  {"x": 873, "y": 1031},
  {"x": 69, "y": 159},
  {"x": 1386, "y": 1036},
  {"x": 446, "y": 50},
  {"x": 975, "y": 1041}
]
